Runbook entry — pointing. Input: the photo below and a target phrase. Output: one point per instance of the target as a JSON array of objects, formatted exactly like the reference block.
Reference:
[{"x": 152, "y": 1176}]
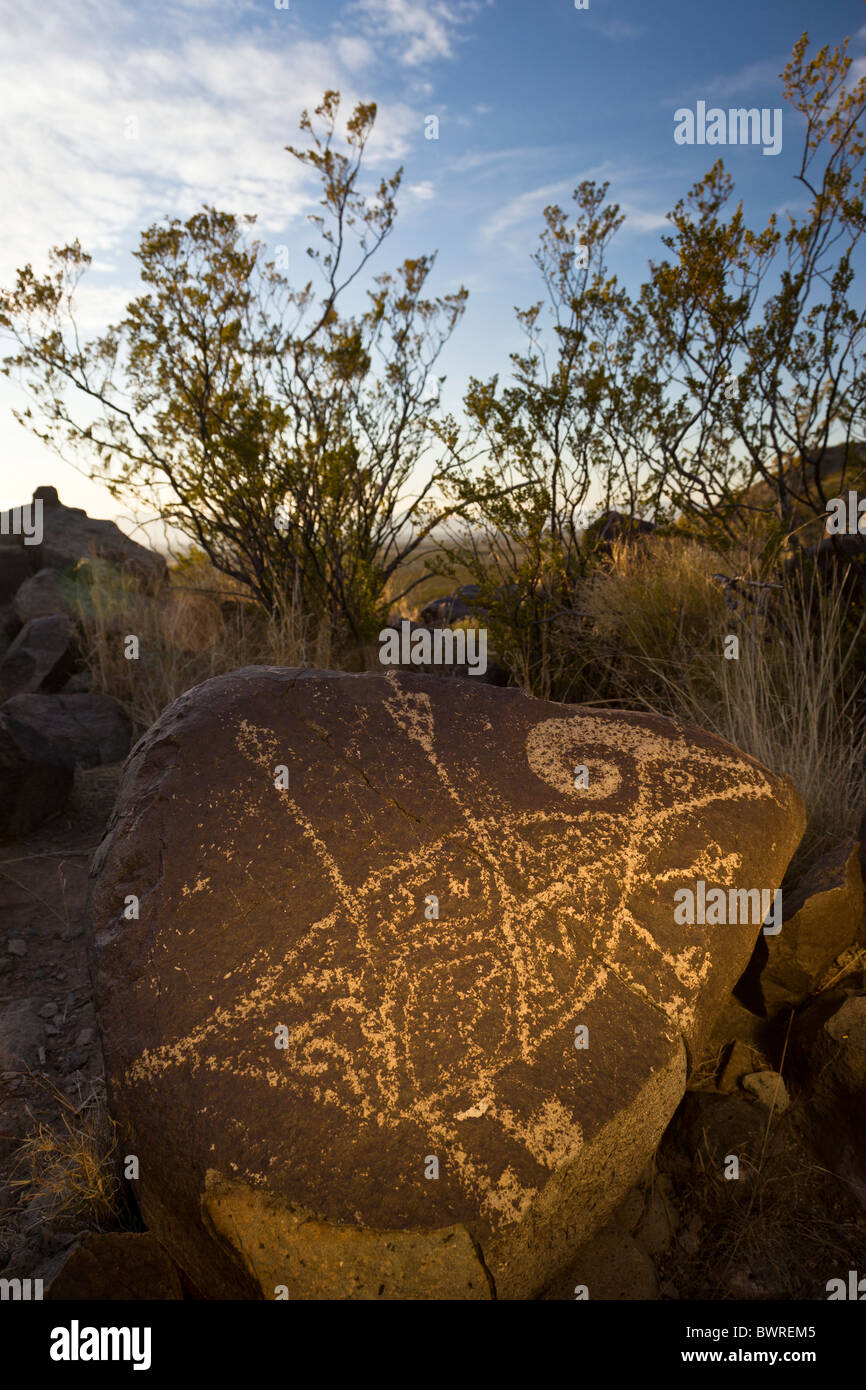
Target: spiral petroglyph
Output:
[{"x": 302, "y": 910}]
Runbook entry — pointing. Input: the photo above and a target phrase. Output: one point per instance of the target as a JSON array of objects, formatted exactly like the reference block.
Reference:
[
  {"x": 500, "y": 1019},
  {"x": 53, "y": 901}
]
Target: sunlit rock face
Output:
[{"x": 393, "y": 998}]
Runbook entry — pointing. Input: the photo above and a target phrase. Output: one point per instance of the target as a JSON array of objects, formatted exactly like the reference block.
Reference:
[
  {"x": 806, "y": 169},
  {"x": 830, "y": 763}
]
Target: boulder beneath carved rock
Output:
[
  {"x": 43, "y": 738},
  {"x": 42, "y": 657},
  {"x": 611, "y": 1267},
  {"x": 821, "y": 919},
  {"x": 345, "y": 1036},
  {"x": 116, "y": 1265}
]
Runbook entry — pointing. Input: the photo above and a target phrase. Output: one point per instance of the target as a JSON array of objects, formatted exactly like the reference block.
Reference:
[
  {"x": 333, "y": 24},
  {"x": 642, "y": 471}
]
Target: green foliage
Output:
[{"x": 246, "y": 412}]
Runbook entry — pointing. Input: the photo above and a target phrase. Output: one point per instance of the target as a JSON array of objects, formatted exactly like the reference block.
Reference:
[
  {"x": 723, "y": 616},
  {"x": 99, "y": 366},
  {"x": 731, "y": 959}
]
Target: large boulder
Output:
[
  {"x": 391, "y": 1006},
  {"x": 43, "y": 738},
  {"x": 69, "y": 536},
  {"x": 42, "y": 657}
]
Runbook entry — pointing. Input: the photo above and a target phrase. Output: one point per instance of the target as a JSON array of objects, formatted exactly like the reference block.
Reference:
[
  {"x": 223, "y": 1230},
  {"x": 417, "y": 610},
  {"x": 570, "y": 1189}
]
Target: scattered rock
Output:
[
  {"x": 458, "y": 1041},
  {"x": 821, "y": 919},
  {"x": 43, "y": 738},
  {"x": 630, "y": 1212},
  {"x": 736, "y": 1024},
  {"x": 20, "y": 1035},
  {"x": 616, "y": 526},
  {"x": 48, "y": 1010},
  {"x": 657, "y": 1226},
  {"x": 70, "y": 535},
  {"x": 43, "y": 595},
  {"x": 453, "y": 608},
  {"x": 79, "y": 684},
  {"x": 16, "y": 946},
  {"x": 16, "y": 567},
  {"x": 829, "y": 1049},
  {"x": 41, "y": 658},
  {"x": 768, "y": 1088},
  {"x": 69, "y": 730},
  {"x": 737, "y": 1064},
  {"x": 115, "y": 1266}
]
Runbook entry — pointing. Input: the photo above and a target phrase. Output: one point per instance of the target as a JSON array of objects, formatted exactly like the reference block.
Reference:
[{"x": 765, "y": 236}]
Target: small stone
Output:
[
  {"x": 77, "y": 1058},
  {"x": 768, "y": 1088},
  {"x": 738, "y": 1064},
  {"x": 51, "y": 1030},
  {"x": 48, "y": 1010},
  {"x": 17, "y": 946},
  {"x": 85, "y": 1037},
  {"x": 71, "y": 933}
]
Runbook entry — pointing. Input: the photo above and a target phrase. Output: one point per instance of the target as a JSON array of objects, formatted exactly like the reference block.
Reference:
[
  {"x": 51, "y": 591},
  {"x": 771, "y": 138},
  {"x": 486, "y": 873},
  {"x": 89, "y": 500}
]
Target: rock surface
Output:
[
  {"x": 829, "y": 1046},
  {"x": 41, "y": 596},
  {"x": 283, "y": 996},
  {"x": 41, "y": 658},
  {"x": 70, "y": 535},
  {"x": 43, "y": 738},
  {"x": 821, "y": 919},
  {"x": 70, "y": 729},
  {"x": 116, "y": 1265}
]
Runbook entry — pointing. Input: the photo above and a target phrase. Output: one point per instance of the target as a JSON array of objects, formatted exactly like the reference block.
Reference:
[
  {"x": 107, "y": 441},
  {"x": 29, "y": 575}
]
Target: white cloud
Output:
[
  {"x": 73, "y": 94},
  {"x": 424, "y": 29},
  {"x": 213, "y": 105},
  {"x": 423, "y": 190},
  {"x": 520, "y": 208}
]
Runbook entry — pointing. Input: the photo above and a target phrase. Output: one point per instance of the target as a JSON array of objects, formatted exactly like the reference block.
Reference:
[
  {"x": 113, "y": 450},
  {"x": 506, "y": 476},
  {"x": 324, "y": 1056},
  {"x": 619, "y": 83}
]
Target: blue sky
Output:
[{"x": 531, "y": 99}]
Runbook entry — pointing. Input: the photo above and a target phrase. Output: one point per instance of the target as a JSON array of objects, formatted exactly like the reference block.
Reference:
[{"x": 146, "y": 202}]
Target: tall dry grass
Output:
[
  {"x": 202, "y": 626},
  {"x": 792, "y": 699}
]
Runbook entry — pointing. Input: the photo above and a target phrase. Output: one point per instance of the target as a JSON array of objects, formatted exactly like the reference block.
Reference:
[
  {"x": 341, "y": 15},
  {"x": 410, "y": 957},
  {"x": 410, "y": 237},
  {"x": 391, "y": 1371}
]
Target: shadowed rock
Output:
[
  {"x": 42, "y": 657},
  {"x": 116, "y": 1265},
  {"x": 69, "y": 535},
  {"x": 822, "y": 918},
  {"x": 293, "y": 1047},
  {"x": 43, "y": 738}
]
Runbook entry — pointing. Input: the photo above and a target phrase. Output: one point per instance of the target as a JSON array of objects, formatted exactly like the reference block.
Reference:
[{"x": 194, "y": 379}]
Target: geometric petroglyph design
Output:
[{"x": 542, "y": 907}]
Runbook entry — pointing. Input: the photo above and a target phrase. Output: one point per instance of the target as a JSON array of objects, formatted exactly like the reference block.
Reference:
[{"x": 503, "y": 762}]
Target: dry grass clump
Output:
[
  {"x": 201, "y": 626},
  {"x": 781, "y": 1231},
  {"x": 70, "y": 1166}
]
